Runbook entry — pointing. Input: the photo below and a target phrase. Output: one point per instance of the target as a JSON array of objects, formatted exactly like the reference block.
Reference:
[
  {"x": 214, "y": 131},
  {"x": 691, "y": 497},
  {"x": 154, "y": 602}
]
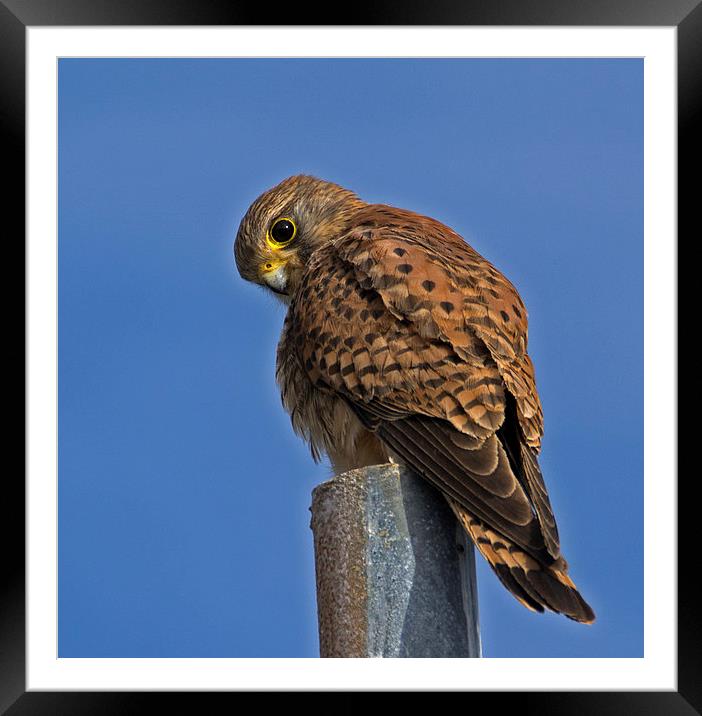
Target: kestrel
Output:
[{"x": 402, "y": 342}]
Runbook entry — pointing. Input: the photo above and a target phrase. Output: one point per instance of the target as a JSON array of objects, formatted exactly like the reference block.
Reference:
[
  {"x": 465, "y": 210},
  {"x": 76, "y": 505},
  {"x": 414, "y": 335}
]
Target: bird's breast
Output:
[{"x": 321, "y": 417}]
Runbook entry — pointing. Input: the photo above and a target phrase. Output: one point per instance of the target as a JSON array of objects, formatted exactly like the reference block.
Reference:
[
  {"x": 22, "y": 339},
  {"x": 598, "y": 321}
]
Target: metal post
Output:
[{"x": 395, "y": 572}]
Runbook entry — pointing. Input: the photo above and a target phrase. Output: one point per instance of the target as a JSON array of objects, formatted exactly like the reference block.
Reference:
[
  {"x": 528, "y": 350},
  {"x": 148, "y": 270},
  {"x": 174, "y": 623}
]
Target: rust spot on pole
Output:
[{"x": 339, "y": 539}]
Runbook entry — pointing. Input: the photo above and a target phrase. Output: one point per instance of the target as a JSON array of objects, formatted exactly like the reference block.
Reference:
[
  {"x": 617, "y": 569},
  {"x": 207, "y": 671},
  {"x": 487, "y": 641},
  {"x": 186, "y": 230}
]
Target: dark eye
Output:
[{"x": 283, "y": 231}]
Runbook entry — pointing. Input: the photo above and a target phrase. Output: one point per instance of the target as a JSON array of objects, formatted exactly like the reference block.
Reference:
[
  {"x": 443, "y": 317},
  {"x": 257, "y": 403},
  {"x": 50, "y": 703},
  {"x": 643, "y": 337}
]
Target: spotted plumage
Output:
[{"x": 402, "y": 342}]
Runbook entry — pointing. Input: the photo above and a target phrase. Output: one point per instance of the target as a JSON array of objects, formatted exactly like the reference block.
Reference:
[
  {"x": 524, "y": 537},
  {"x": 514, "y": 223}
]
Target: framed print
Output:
[{"x": 167, "y": 533}]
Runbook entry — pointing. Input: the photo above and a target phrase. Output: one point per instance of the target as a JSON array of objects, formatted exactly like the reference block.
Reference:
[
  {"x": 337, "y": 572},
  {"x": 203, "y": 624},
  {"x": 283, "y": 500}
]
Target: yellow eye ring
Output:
[{"x": 281, "y": 233}]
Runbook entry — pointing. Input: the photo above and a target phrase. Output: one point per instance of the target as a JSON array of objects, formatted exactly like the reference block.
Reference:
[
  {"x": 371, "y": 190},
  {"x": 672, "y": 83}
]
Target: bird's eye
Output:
[{"x": 282, "y": 232}]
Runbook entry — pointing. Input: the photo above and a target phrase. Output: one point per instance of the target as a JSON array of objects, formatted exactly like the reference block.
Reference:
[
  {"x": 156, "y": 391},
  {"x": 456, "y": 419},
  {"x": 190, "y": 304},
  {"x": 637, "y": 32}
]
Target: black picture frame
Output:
[{"x": 16, "y": 15}]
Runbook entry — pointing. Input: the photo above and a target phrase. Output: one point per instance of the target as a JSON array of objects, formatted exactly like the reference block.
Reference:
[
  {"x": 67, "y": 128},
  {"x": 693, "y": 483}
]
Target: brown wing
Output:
[
  {"x": 427, "y": 343},
  {"x": 390, "y": 317},
  {"x": 428, "y": 275}
]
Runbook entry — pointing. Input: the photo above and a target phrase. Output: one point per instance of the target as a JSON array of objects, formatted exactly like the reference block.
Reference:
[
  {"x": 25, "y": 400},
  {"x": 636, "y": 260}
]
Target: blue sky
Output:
[{"x": 183, "y": 494}]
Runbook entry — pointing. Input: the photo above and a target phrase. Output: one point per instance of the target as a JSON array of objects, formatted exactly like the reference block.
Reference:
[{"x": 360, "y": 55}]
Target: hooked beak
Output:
[{"x": 276, "y": 279}]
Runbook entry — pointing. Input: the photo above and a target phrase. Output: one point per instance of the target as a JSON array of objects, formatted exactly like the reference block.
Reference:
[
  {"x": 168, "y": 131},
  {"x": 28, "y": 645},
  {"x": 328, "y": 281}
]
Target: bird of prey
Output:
[{"x": 402, "y": 343}]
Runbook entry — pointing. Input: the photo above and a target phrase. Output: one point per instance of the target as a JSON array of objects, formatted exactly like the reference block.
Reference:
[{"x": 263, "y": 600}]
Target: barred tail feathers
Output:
[{"x": 537, "y": 586}]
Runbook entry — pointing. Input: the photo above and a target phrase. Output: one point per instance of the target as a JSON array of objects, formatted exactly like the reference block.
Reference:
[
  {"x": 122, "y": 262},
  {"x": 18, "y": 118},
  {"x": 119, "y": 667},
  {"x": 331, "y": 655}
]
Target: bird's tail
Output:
[{"x": 536, "y": 585}]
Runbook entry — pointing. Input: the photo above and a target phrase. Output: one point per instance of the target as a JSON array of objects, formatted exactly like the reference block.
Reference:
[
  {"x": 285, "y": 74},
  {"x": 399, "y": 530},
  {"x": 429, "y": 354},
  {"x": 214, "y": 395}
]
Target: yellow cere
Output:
[{"x": 271, "y": 265}]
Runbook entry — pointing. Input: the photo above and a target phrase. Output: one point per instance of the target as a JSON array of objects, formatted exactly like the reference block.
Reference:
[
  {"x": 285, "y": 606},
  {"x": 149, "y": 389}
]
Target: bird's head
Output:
[{"x": 285, "y": 225}]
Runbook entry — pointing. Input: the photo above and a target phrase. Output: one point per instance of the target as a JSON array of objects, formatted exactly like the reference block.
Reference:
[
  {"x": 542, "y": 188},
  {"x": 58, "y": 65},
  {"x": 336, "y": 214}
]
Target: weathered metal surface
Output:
[
  {"x": 339, "y": 541},
  {"x": 395, "y": 572}
]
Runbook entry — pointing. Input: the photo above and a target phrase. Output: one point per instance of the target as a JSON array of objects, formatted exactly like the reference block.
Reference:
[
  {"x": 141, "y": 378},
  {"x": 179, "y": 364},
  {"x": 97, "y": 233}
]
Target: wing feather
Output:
[
  {"x": 413, "y": 325},
  {"x": 427, "y": 343}
]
